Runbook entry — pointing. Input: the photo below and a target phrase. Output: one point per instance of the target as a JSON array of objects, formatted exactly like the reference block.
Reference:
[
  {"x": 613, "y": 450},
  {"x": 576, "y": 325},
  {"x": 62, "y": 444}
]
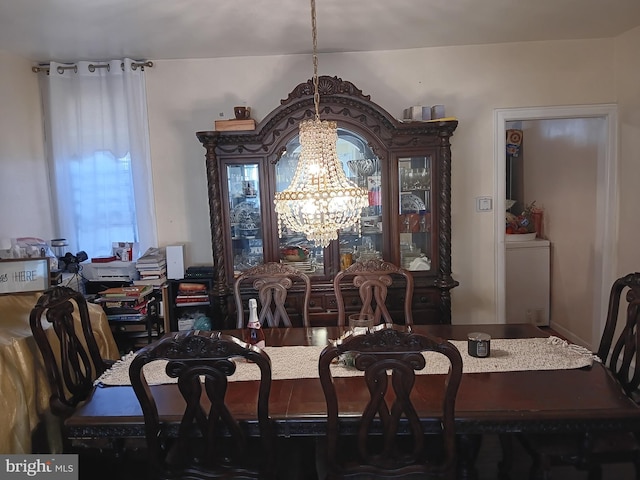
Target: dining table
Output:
[{"x": 489, "y": 401}]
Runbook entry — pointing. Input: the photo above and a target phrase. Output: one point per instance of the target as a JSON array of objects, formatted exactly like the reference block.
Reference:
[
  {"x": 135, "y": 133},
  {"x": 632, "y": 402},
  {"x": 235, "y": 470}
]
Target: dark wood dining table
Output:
[{"x": 543, "y": 401}]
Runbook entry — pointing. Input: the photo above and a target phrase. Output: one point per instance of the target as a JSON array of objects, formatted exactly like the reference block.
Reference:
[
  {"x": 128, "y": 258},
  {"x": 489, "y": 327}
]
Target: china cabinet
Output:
[{"x": 405, "y": 166}]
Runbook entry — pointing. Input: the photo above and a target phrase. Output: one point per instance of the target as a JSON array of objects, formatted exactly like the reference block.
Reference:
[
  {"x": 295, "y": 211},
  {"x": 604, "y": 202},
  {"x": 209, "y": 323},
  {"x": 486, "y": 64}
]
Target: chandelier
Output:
[{"x": 320, "y": 199}]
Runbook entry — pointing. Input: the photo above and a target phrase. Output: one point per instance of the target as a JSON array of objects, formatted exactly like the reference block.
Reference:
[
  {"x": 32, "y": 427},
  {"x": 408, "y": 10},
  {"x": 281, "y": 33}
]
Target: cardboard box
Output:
[{"x": 235, "y": 125}]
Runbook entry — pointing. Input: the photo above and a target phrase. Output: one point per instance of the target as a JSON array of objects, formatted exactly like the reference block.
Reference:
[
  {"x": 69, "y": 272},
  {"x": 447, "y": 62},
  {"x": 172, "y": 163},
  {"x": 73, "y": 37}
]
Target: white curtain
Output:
[{"x": 97, "y": 139}]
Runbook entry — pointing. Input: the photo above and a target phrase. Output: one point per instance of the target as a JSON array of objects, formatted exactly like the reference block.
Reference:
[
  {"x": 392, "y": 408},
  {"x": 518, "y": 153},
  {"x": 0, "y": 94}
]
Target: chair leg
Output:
[
  {"x": 595, "y": 473},
  {"x": 540, "y": 468},
  {"x": 505, "y": 464},
  {"x": 320, "y": 460}
]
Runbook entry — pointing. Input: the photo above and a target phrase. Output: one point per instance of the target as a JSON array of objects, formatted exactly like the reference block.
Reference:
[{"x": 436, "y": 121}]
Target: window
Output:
[{"x": 98, "y": 151}]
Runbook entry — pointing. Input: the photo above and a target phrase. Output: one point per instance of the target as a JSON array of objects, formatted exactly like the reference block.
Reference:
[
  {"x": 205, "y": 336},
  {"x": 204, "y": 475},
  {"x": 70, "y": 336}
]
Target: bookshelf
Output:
[
  {"x": 133, "y": 314},
  {"x": 185, "y": 307}
]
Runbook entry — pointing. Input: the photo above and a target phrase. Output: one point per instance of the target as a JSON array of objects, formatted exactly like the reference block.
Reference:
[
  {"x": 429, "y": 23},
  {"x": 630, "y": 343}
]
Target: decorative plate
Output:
[{"x": 411, "y": 203}]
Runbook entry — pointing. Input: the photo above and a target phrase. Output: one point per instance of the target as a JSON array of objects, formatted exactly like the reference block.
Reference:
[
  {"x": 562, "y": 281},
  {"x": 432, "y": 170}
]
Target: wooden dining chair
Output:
[
  {"x": 71, "y": 354},
  {"x": 618, "y": 351},
  {"x": 209, "y": 441},
  {"x": 373, "y": 278},
  {"x": 61, "y": 326},
  {"x": 388, "y": 439},
  {"x": 272, "y": 281}
]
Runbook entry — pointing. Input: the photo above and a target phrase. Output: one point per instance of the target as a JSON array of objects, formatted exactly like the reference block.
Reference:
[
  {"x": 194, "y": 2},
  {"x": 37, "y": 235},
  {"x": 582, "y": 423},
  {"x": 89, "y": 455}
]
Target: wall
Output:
[
  {"x": 24, "y": 184},
  {"x": 185, "y": 96},
  {"x": 560, "y": 167},
  {"x": 627, "y": 68},
  {"x": 471, "y": 81}
]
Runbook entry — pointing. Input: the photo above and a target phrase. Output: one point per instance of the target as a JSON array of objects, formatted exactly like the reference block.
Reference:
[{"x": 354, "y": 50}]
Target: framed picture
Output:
[{"x": 24, "y": 275}]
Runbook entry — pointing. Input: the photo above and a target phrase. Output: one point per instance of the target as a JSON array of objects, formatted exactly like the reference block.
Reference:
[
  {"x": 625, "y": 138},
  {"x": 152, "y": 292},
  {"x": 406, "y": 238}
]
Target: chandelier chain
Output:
[
  {"x": 314, "y": 34},
  {"x": 320, "y": 200}
]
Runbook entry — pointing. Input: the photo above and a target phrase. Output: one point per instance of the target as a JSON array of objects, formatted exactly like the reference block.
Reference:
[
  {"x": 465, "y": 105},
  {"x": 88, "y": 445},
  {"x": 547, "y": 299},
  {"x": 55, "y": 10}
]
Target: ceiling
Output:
[{"x": 72, "y": 30}]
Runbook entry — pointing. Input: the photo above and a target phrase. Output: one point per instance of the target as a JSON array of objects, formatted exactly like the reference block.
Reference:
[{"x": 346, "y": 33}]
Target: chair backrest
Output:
[
  {"x": 272, "y": 281},
  {"x": 210, "y": 442},
  {"x": 69, "y": 349},
  {"x": 619, "y": 344},
  {"x": 389, "y": 358},
  {"x": 372, "y": 278}
]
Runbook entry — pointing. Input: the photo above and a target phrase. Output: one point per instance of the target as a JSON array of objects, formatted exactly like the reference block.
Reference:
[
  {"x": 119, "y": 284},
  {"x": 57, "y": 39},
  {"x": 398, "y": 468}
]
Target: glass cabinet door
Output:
[
  {"x": 365, "y": 239},
  {"x": 243, "y": 184},
  {"x": 415, "y": 222},
  {"x": 363, "y": 167},
  {"x": 294, "y": 247}
]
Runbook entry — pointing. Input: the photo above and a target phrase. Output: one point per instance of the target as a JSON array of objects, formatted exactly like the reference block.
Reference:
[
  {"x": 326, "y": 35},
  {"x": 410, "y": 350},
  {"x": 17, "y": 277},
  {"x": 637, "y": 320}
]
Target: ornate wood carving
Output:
[{"x": 326, "y": 86}]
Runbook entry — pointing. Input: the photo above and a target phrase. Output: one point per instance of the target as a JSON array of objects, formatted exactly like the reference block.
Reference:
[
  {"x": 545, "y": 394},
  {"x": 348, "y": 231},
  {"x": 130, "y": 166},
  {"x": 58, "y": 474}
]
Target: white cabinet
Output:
[{"x": 527, "y": 281}]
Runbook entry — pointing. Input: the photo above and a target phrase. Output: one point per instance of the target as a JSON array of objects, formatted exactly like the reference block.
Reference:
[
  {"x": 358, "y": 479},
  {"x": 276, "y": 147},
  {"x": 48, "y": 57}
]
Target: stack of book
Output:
[
  {"x": 125, "y": 303},
  {"x": 152, "y": 267},
  {"x": 191, "y": 294}
]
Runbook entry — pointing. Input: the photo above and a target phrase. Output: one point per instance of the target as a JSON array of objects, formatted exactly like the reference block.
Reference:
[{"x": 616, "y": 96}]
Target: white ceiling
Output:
[{"x": 72, "y": 30}]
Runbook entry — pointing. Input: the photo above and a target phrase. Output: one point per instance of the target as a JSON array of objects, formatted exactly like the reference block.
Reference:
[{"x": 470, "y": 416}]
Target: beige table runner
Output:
[{"x": 550, "y": 353}]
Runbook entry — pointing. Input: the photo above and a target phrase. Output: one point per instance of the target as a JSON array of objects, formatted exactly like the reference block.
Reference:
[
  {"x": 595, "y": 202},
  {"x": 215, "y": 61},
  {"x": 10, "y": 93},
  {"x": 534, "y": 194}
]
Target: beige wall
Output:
[
  {"x": 24, "y": 191},
  {"x": 627, "y": 75},
  {"x": 188, "y": 95},
  {"x": 560, "y": 164}
]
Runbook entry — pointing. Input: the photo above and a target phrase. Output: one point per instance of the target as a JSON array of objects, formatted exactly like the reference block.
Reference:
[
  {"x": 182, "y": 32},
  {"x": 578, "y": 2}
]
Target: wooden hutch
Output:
[{"x": 405, "y": 165}]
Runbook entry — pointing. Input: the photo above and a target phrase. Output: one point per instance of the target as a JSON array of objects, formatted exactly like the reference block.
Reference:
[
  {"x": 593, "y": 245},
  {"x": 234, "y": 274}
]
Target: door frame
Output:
[{"x": 606, "y": 200}]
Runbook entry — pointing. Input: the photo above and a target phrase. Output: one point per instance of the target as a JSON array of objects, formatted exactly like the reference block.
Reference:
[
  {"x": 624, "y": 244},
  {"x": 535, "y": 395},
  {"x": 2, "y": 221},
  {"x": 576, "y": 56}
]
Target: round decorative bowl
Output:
[{"x": 295, "y": 254}]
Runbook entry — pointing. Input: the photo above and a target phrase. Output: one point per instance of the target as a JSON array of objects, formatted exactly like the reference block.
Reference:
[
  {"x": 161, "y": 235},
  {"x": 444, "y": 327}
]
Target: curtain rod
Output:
[{"x": 92, "y": 67}]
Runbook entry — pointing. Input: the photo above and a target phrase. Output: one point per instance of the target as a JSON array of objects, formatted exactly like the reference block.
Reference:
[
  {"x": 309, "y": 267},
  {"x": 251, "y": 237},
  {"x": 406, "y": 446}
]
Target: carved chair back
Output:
[
  {"x": 373, "y": 278},
  {"x": 389, "y": 358},
  {"x": 210, "y": 442},
  {"x": 272, "y": 282},
  {"x": 69, "y": 349},
  {"x": 620, "y": 339}
]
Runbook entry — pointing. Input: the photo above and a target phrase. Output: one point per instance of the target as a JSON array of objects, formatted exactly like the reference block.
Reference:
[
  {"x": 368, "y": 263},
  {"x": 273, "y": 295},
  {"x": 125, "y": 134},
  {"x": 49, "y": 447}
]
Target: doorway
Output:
[{"x": 602, "y": 247}]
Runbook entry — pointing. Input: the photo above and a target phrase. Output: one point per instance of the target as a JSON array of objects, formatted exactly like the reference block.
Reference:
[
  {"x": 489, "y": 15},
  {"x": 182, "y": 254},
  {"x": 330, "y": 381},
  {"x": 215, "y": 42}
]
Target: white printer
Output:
[{"x": 114, "y": 271}]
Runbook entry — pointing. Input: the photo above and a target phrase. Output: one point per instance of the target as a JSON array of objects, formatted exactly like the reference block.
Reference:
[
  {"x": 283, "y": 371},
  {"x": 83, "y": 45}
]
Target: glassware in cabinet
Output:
[
  {"x": 363, "y": 167},
  {"x": 245, "y": 216},
  {"x": 415, "y": 221}
]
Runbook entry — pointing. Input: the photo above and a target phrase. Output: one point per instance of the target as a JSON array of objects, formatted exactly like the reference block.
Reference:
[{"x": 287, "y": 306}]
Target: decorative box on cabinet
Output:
[{"x": 406, "y": 168}]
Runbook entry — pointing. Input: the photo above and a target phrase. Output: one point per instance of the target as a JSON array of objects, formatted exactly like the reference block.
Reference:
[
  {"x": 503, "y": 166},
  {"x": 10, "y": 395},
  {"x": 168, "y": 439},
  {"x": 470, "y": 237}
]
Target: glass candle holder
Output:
[{"x": 360, "y": 323}]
